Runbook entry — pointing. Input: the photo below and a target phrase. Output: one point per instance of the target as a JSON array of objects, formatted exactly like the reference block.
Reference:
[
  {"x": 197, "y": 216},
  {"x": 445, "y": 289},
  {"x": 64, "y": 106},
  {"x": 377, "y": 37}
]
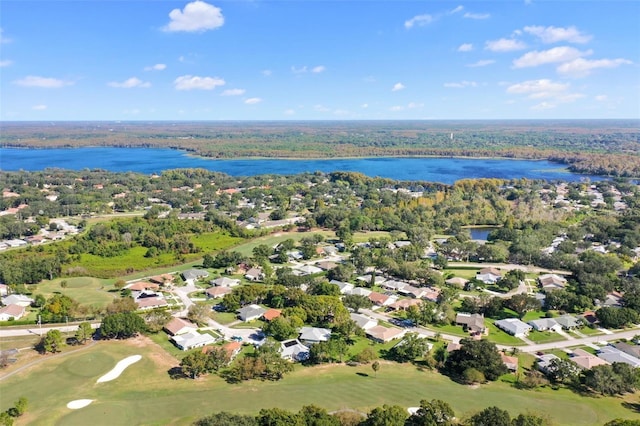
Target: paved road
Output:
[
  {"x": 40, "y": 331},
  {"x": 508, "y": 266}
]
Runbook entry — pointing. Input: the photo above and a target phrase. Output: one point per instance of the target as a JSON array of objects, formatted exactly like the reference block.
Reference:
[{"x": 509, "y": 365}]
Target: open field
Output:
[
  {"x": 85, "y": 290},
  {"x": 246, "y": 249},
  {"x": 144, "y": 393}
]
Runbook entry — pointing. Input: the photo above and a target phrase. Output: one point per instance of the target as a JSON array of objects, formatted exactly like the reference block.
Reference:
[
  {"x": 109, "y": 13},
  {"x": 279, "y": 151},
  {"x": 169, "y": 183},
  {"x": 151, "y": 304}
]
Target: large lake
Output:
[{"x": 150, "y": 160}]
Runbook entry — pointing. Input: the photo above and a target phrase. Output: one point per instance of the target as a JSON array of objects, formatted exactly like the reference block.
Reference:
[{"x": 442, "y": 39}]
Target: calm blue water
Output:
[
  {"x": 150, "y": 160},
  {"x": 480, "y": 233}
]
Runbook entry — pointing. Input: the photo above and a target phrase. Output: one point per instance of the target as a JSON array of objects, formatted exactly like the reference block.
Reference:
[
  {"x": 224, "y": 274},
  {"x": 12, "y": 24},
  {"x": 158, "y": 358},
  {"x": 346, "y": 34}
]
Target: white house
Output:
[
  {"x": 311, "y": 335},
  {"x": 489, "y": 275},
  {"x": 544, "y": 324},
  {"x": 251, "y": 312},
  {"x": 294, "y": 350},
  {"x": 192, "y": 339},
  {"x": 513, "y": 326},
  {"x": 363, "y": 321},
  {"x": 225, "y": 282},
  {"x": 17, "y": 299},
  {"x": 11, "y": 312}
]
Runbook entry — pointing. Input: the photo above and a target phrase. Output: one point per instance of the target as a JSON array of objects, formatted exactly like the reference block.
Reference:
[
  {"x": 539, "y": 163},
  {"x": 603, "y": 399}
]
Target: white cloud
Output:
[
  {"x": 289, "y": 112},
  {"x": 461, "y": 85},
  {"x": 470, "y": 15},
  {"x": 188, "y": 82},
  {"x": 481, "y": 63},
  {"x": 504, "y": 45},
  {"x": 233, "y": 92},
  {"x": 300, "y": 70},
  {"x": 364, "y": 106},
  {"x": 318, "y": 69},
  {"x": 557, "y": 54},
  {"x": 40, "y": 107},
  {"x": 465, "y": 47},
  {"x": 130, "y": 83},
  {"x": 266, "y": 73},
  {"x": 43, "y": 82},
  {"x": 543, "y": 106},
  {"x": 601, "y": 98},
  {"x": 556, "y": 34},
  {"x": 582, "y": 67},
  {"x": 418, "y": 20},
  {"x": 196, "y": 16},
  {"x": 414, "y": 105},
  {"x": 156, "y": 67},
  {"x": 397, "y": 86},
  {"x": 535, "y": 89},
  {"x": 456, "y": 10},
  {"x": 397, "y": 108},
  {"x": 304, "y": 69},
  {"x": 5, "y": 63},
  {"x": 253, "y": 101}
]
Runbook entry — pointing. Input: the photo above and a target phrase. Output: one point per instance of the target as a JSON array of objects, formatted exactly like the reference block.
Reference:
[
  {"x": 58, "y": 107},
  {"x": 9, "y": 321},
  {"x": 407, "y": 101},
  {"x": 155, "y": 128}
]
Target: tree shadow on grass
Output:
[
  {"x": 362, "y": 374},
  {"x": 176, "y": 373},
  {"x": 635, "y": 407}
]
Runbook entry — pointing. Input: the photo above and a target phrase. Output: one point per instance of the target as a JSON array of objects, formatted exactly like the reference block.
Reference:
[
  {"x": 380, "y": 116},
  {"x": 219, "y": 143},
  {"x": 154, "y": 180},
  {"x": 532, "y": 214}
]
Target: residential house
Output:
[
  {"x": 11, "y": 312},
  {"x": 312, "y": 335},
  {"x": 585, "y": 360},
  {"x": 568, "y": 322},
  {"x": 511, "y": 362},
  {"x": 150, "y": 301},
  {"x": 366, "y": 279},
  {"x": 143, "y": 285},
  {"x": 180, "y": 326},
  {"x": 17, "y": 299},
  {"x": 254, "y": 274},
  {"x": 383, "y": 334},
  {"x": 394, "y": 285},
  {"x": 232, "y": 349},
  {"x": 363, "y": 321},
  {"x": 192, "y": 339},
  {"x": 545, "y": 324},
  {"x": 361, "y": 291},
  {"x": 415, "y": 292},
  {"x": 457, "y": 282},
  {"x": 489, "y": 275},
  {"x": 307, "y": 270},
  {"x": 345, "y": 288},
  {"x": 326, "y": 265},
  {"x": 192, "y": 275},
  {"x": 271, "y": 314},
  {"x": 225, "y": 282},
  {"x": 251, "y": 313},
  {"x": 162, "y": 280},
  {"x": 633, "y": 350},
  {"x": 611, "y": 355},
  {"x": 513, "y": 326},
  {"x": 380, "y": 299},
  {"x": 453, "y": 346},
  {"x": 294, "y": 350},
  {"x": 550, "y": 282},
  {"x": 404, "y": 304},
  {"x": 218, "y": 292},
  {"x": 589, "y": 317},
  {"x": 544, "y": 361},
  {"x": 612, "y": 300},
  {"x": 472, "y": 323}
]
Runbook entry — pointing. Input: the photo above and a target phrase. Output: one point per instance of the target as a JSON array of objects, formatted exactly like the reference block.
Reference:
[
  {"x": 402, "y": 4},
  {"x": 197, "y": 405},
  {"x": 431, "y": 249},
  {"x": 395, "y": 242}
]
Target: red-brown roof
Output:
[
  {"x": 177, "y": 324},
  {"x": 271, "y": 314},
  {"x": 143, "y": 285},
  {"x": 378, "y": 298}
]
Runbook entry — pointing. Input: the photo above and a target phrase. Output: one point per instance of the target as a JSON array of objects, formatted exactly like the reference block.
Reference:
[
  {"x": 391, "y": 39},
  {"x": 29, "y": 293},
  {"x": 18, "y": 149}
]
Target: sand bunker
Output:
[
  {"x": 79, "y": 403},
  {"x": 119, "y": 368}
]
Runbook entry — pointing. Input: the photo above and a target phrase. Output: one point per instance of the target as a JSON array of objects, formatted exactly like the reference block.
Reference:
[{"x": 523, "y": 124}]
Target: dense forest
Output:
[{"x": 604, "y": 147}]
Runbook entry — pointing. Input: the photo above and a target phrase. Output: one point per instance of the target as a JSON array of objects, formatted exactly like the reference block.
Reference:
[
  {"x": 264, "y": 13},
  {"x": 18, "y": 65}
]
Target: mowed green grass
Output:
[
  {"x": 85, "y": 290},
  {"x": 246, "y": 249},
  {"x": 144, "y": 393}
]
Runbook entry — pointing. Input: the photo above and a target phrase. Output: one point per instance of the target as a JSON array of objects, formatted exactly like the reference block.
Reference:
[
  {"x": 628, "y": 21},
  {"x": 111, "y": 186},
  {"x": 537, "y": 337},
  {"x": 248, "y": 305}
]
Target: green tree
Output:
[
  {"x": 375, "y": 367},
  {"x": 122, "y": 325},
  {"x": 20, "y": 406},
  {"x": 84, "y": 332},
  {"x": 195, "y": 364},
  {"x": 387, "y": 415},
  {"x": 432, "y": 413},
  {"x": 411, "y": 347},
  {"x": 6, "y": 419},
  {"x": 491, "y": 416},
  {"x": 530, "y": 420},
  {"x": 278, "y": 417},
  {"x": 316, "y": 416},
  {"x": 281, "y": 328},
  {"x": 199, "y": 313},
  {"x": 481, "y": 355},
  {"x": 52, "y": 341},
  {"x": 226, "y": 419}
]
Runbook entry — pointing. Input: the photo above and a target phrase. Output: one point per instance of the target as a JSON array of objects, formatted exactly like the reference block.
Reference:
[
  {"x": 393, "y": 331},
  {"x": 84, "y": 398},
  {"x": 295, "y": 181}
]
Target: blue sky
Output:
[{"x": 318, "y": 60}]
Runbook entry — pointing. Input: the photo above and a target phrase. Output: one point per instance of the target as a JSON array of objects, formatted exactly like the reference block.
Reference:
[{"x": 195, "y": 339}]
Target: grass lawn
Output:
[
  {"x": 533, "y": 315},
  {"x": 588, "y": 331},
  {"x": 86, "y": 290},
  {"x": 500, "y": 337},
  {"x": 246, "y": 249},
  {"x": 364, "y": 237},
  {"x": 455, "y": 330},
  {"x": 224, "y": 318},
  {"x": 145, "y": 394},
  {"x": 544, "y": 336},
  {"x": 466, "y": 273},
  {"x": 214, "y": 241}
]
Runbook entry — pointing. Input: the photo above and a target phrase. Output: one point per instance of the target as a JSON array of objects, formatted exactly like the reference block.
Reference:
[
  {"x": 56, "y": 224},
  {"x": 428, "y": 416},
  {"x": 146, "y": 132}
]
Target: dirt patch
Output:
[{"x": 158, "y": 355}]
